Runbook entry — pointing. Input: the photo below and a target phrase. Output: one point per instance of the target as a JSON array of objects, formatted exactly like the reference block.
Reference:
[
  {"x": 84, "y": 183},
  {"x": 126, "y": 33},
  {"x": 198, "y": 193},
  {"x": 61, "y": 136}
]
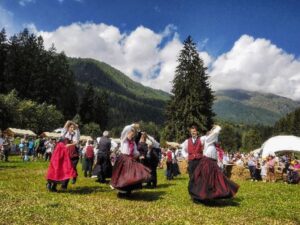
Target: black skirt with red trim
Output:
[{"x": 209, "y": 182}]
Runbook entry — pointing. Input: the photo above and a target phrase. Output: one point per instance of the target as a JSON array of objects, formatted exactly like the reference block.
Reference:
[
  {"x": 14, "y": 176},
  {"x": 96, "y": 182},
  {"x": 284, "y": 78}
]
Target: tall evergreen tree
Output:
[
  {"x": 193, "y": 98},
  {"x": 251, "y": 140},
  {"x": 3, "y": 53},
  {"x": 289, "y": 124},
  {"x": 37, "y": 74},
  {"x": 230, "y": 139}
]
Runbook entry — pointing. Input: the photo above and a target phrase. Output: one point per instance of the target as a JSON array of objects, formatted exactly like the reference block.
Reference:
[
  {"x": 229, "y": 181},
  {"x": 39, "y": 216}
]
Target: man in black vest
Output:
[
  {"x": 151, "y": 161},
  {"x": 103, "y": 168}
]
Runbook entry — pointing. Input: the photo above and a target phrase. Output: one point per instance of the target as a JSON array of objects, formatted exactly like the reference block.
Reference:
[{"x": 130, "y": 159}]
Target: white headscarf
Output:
[{"x": 125, "y": 132}]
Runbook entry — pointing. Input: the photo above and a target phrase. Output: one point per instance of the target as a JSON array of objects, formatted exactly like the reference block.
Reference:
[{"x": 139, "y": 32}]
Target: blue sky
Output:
[
  {"x": 221, "y": 22},
  {"x": 215, "y": 25}
]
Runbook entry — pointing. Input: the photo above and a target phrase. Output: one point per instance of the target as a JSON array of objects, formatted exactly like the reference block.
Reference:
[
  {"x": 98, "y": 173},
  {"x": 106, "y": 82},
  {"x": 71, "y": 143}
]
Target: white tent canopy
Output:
[
  {"x": 19, "y": 132},
  {"x": 280, "y": 144},
  {"x": 51, "y": 134}
]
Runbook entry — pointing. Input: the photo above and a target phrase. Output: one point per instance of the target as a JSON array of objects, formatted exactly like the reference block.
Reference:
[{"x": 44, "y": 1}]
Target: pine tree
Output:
[
  {"x": 86, "y": 110},
  {"x": 230, "y": 139},
  {"x": 38, "y": 74},
  {"x": 251, "y": 140},
  {"x": 3, "y": 54},
  {"x": 193, "y": 98},
  {"x": 289, "y": 124}
]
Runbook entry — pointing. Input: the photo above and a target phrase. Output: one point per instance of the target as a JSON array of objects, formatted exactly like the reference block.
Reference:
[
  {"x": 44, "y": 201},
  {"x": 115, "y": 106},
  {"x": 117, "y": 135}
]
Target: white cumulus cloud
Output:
[
  {"x": 6, "y": 20},
  {"x": 142, "y": 54},
  {"x": 257, "y": 65}
]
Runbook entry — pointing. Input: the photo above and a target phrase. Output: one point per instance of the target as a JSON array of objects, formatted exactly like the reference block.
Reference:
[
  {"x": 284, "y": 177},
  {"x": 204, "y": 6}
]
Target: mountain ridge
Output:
[
  {"x": 255, "y": 107},
  {"x": 233, "y": 105}
]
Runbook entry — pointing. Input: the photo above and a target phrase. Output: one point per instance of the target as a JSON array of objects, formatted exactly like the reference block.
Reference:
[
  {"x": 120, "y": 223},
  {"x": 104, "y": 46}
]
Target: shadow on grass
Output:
[
  {"x": 87, "y": 190},
  {"x": 165, "y": 185},
  {"x": 180, "y": 178},
  {"x": 220, "y": 202},
  {"x": 145, "y": 196}
]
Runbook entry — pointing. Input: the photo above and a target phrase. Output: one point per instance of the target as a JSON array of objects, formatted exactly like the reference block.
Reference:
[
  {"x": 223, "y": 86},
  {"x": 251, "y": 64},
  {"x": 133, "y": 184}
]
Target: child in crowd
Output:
[
  {"x": 271, "y": 169},
  {"x": 89, "y": 156},
  {"x": 257, "y": 172},
  {"x": 263, "y": 171},
  {"x": 169, "y": 162}
]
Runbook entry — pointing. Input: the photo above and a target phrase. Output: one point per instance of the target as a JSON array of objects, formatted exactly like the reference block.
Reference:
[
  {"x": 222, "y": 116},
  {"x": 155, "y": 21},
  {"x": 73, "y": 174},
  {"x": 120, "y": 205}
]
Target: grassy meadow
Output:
[{"x": 25, "y": 200}]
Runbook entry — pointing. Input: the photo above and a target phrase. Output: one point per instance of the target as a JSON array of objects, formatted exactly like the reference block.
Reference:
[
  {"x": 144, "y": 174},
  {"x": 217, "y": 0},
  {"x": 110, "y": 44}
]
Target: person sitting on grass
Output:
[{"x": 293, "y": 172}]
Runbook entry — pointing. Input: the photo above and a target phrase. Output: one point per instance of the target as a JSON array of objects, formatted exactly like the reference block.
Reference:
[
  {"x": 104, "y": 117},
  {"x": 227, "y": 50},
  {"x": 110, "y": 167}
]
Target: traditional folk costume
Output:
[
  {"x": 89, "y": 156},
  {"x": 142, "y": 149},
  {"x": 128, "y": 174},
  {"x": 207, "y": 180},
  {"x": 103, "y": 167},
  {"x": 63, "y": 162},
  {"x": 176, "y": 170},
  {"x": 151, "y": 161},
  {"x": 169, "y": 162},
  {"x": 70, "y": 138},
  {"x": 60, "y": 168},
  {"x": 220, "y": 152}
]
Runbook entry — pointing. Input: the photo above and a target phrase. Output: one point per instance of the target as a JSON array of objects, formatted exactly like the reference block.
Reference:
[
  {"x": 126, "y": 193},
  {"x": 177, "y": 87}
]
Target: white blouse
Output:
[
  {"x": 209, "y": 143},
  {"x": 184, "y": 145},
  {"x": 75, "y": 137},
  {"x": 124, "y": 148}
]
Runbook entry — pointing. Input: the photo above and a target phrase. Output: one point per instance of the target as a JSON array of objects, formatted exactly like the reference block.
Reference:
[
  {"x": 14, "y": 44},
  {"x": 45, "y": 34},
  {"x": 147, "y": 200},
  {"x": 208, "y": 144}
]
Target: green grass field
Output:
[{"x": 24, "y": 200}]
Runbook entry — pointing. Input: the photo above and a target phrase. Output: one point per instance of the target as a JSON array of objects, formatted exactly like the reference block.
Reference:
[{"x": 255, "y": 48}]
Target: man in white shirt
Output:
[{"x": 192, "y": 149}]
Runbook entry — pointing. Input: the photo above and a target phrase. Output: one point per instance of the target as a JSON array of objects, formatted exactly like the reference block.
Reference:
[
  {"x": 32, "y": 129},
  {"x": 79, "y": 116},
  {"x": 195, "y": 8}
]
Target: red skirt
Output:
[
  {"x": 209, "y": 182},
  {"x": 60, "y": 167},
  {"x": 128, "y": 174}
]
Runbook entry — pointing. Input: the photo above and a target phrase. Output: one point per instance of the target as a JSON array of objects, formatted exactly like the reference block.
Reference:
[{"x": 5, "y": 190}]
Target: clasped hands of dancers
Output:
[{"x": 206, "y": 179}]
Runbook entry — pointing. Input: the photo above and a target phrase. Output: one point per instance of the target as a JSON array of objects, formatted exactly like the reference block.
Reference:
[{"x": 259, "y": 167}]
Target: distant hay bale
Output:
[
  {"x": 242, "y": 173},
  {"x": 239, "y": 173},
  {"x": 183, "y": 166}
]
